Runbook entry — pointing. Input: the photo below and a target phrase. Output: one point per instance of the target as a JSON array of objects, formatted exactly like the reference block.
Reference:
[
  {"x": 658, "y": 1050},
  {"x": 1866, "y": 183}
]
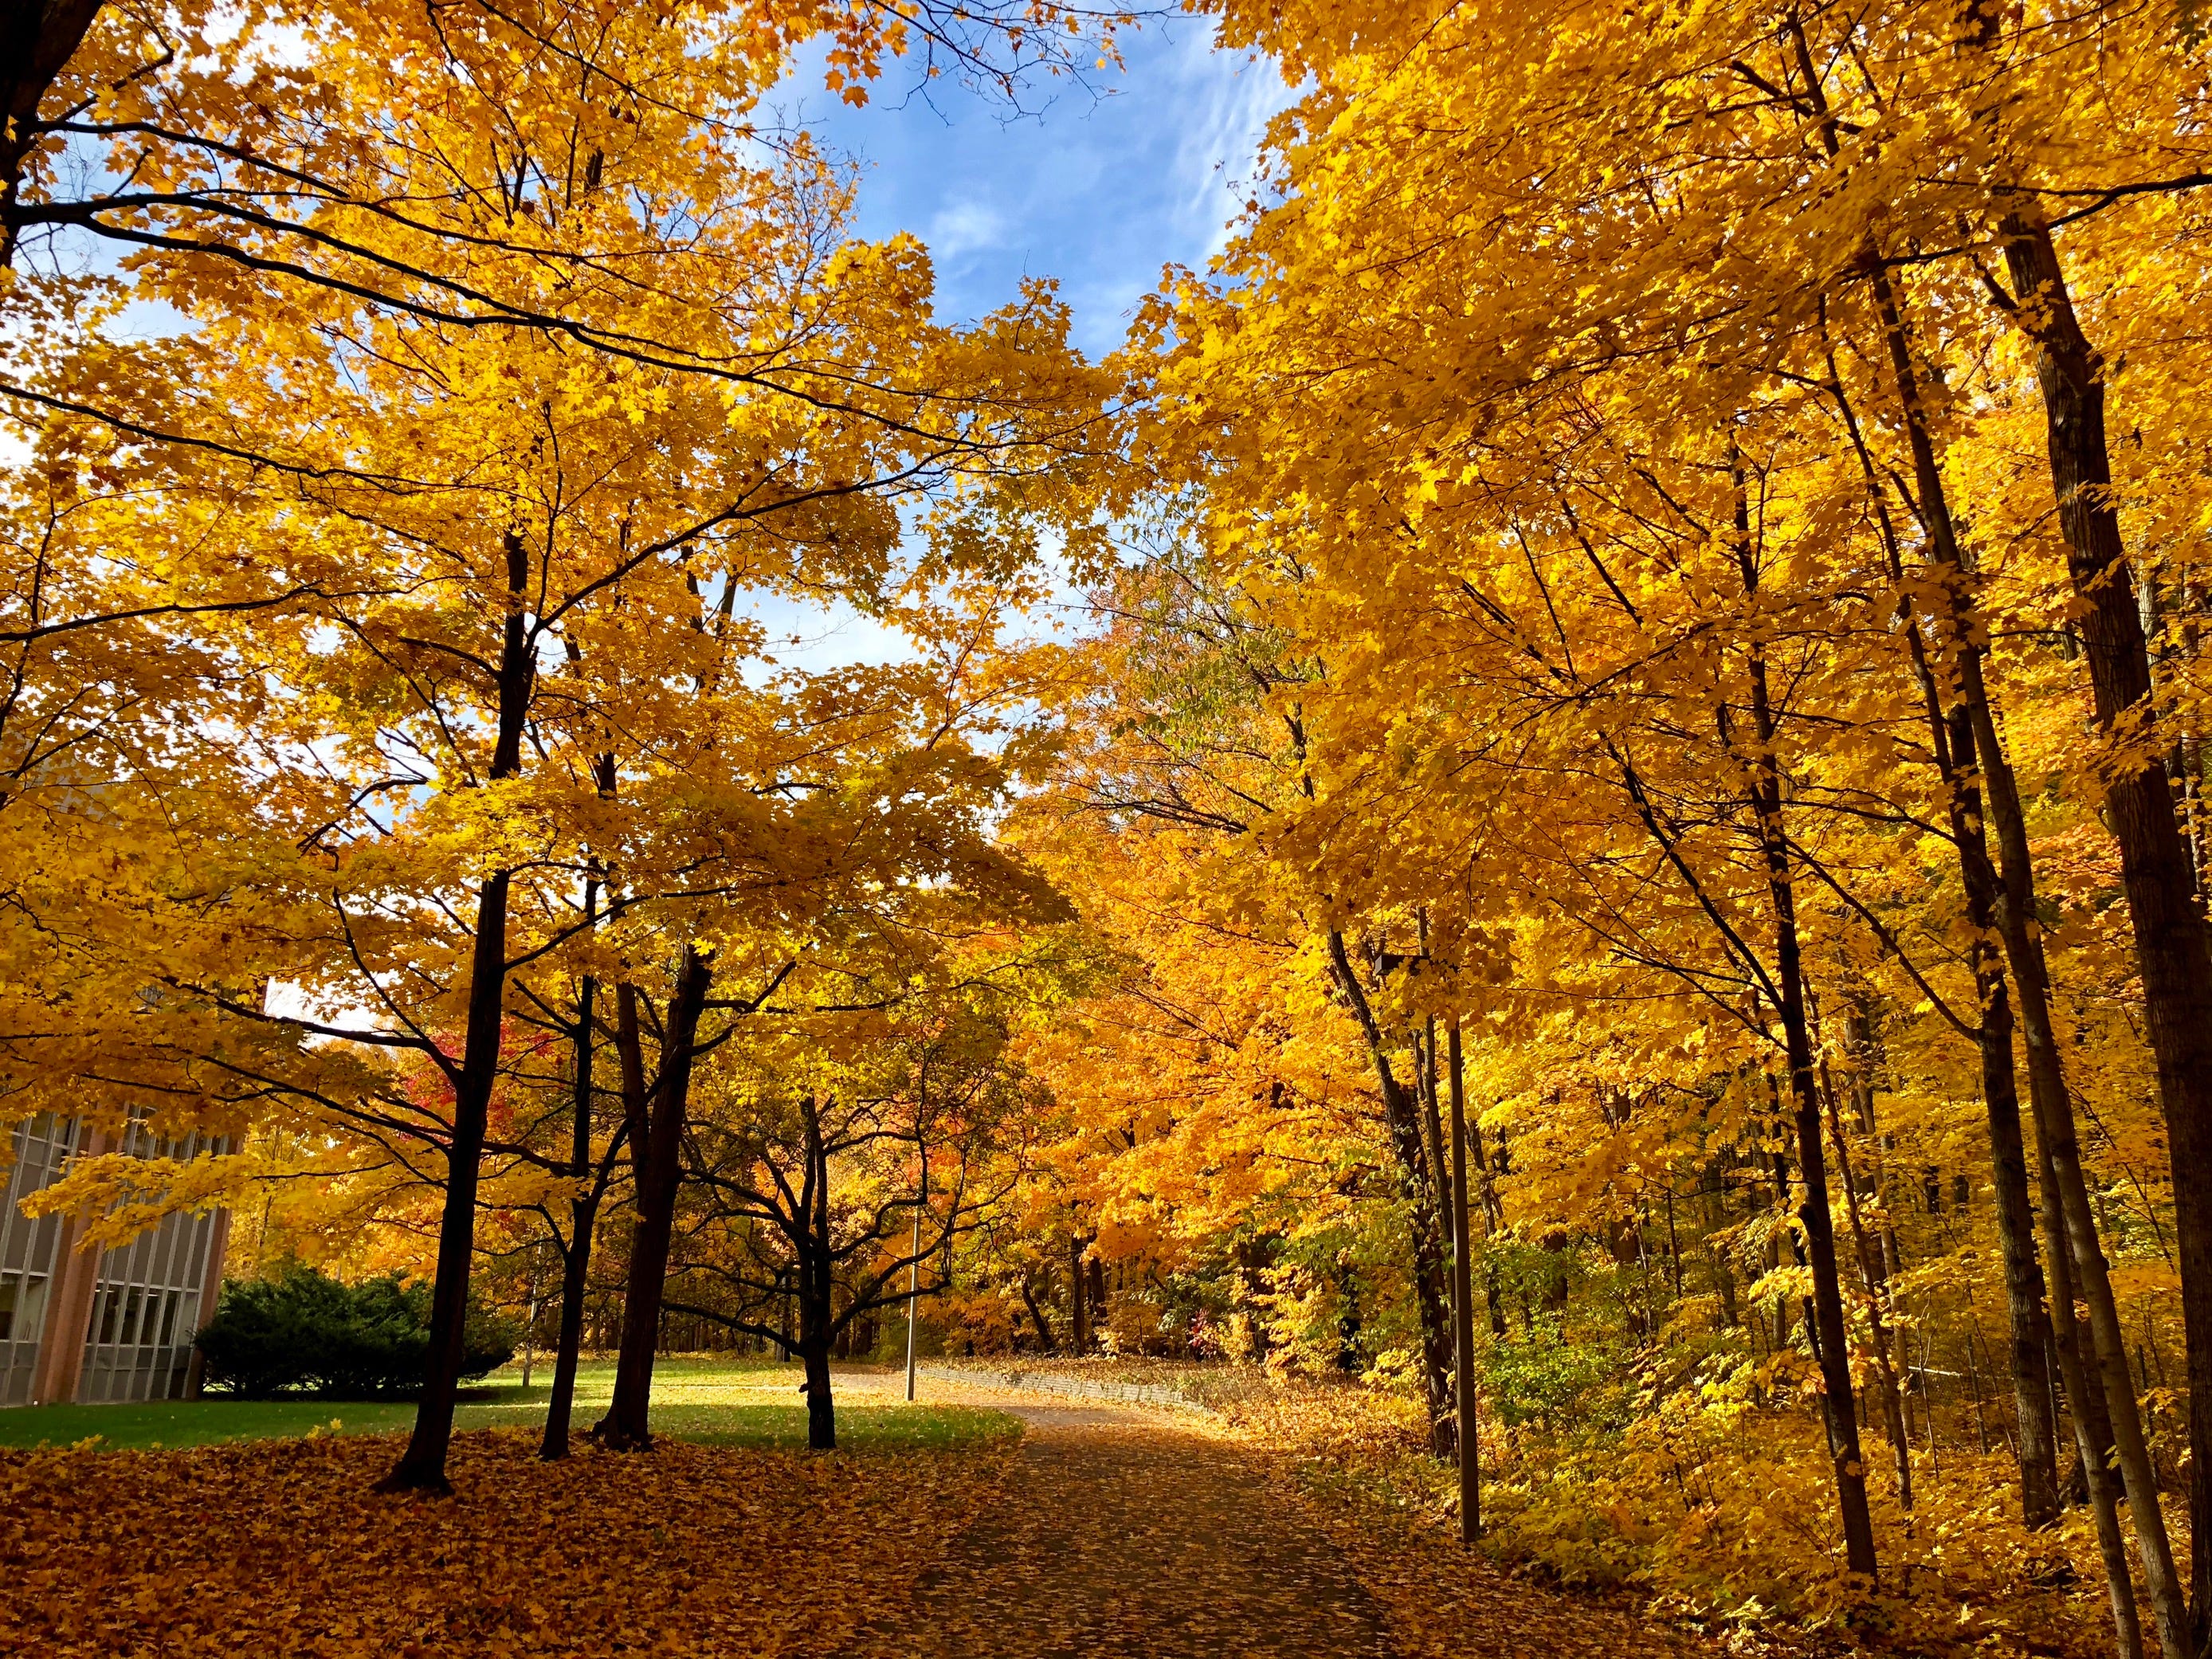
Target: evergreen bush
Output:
[{"x": 305, "y": 1332}]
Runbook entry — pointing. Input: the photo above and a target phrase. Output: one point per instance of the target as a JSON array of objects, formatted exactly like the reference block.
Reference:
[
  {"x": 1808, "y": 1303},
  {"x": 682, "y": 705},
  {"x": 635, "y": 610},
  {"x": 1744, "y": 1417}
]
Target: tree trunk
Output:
[
  {"x": 1870, "y": 1275},
  {"x": 1725, "y": 1287},
  {"x": 1444, "y": 1192},
  {"x": 2037, "y": 1446},
  {"x": 626, "y": 1427},
  {"x": 1079, "y": 1303},
  {"x": 422, "y": 1468},
  {"x": 38, "y": 38},
  {"x": 2073, "y": 395},
  {"x": 1951, "y": 738},
  {"x": 1402, "y": 1118},
  {"x": 816, "y": 1283},
  {"x": 2037, "y": 1443},
  {"x": 821, "y": 1403},
  {"x": 1463, "y": 1296},
  {"x": 2108, "y": 1423},
  {"x": 2076, "y": 1257},
  {"x": 1432, "y": 1134},
  {"x": 1444, "y": 1437},
  {"x": 2171, "y": 951},
  {"x": 1049, "y": 1343},
  {"x": 583, "y": 1215},
  {"x": 1987, "y": 894},
  {"x": 914, "y": 1283},
  {"x": 1493, "y": 1219},
  {"x": 2093, "y": 1438},
  {"x": 575, "y": 1277},
  {"x": 1813, "y": 1215},
  {"x": 1832, "y": 1348}
]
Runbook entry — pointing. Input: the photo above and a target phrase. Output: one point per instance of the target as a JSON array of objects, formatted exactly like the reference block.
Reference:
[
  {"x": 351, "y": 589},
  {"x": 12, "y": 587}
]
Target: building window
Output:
[
  {"x": 140, "y": 1348},
  {"x": 27, "y": 1249},
  {"x": 135, "y": 1339}
]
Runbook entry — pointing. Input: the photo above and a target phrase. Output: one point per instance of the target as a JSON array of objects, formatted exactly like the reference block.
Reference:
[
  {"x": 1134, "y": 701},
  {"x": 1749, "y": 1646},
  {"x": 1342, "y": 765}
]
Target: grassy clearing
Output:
[{"x": 713, "y": 1400}]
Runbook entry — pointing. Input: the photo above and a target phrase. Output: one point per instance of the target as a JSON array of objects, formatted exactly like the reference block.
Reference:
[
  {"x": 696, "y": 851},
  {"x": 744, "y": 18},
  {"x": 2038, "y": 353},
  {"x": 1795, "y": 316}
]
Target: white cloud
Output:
[
  {"x": 965, "y": 227},
  {"x": 824, "y": 637},
  {"x": 1229, "y": 101}
]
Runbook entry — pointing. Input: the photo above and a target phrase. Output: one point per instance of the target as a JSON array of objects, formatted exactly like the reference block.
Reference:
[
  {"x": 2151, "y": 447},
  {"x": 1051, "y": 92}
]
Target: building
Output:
[{"x": 106, "y": 1324}]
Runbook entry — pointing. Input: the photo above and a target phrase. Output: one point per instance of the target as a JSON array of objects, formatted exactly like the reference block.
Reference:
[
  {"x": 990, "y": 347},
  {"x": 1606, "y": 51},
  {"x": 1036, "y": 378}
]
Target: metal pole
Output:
[
  {"x": 1470, "y": 1470},
  {"x": 913, "y": 1299}
]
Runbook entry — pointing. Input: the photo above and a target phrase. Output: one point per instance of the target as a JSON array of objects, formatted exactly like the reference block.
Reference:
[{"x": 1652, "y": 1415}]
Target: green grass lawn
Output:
[{"x": 717, "y": 1402}]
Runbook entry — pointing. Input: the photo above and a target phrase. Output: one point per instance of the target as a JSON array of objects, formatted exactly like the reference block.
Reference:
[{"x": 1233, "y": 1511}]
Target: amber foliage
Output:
[{"x": 1723, "y": 1534}]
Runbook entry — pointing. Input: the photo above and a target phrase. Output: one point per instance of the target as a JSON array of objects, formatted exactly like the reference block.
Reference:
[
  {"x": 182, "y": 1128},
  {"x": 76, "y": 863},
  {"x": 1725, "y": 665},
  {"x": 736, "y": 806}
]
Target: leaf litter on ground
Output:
[{"x": 281, "y": 1548}]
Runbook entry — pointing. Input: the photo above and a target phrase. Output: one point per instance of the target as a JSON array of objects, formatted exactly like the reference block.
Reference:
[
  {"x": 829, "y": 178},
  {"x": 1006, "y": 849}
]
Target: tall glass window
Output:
[
  {"x": 39, "y": 1149},
  {"x": 145, "y": 1296}
]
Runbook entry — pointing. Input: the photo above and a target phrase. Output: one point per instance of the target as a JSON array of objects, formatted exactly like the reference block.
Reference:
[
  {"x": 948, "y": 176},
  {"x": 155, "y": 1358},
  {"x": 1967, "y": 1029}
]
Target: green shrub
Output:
[
  {"x": 1550, "y": 1377},
  {"x": 306, "y": 1332}
]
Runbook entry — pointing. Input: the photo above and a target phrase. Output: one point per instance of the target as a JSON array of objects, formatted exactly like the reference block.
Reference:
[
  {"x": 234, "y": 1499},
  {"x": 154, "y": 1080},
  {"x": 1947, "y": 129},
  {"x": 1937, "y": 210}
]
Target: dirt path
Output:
[
  {"x": 1130, "y": 1534},
  {"x": 1120, "y": 1535}
]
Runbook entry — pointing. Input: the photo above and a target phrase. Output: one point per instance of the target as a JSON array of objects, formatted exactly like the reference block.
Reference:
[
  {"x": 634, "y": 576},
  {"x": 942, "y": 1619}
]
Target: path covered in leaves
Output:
[
  {"x": 1114, "y": 1536},
  {"x": 1132, "y": 1534},
  {"x": 1108, "y": 1533}
]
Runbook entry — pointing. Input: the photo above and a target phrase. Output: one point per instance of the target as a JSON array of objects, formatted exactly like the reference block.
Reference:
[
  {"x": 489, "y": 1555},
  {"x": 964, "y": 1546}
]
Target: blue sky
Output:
[{"x": 1098, "y": 190}]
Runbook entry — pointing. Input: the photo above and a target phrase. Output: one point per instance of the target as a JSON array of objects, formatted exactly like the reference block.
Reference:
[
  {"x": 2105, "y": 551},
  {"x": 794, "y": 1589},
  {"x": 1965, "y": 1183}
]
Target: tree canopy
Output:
[{"x": 1621, "y": 855}]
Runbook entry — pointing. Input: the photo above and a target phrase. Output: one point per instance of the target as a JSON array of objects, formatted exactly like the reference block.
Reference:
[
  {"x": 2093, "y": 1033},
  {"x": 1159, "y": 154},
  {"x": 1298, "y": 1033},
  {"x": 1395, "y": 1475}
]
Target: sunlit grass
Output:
[{"x": 713, "y": 1400}]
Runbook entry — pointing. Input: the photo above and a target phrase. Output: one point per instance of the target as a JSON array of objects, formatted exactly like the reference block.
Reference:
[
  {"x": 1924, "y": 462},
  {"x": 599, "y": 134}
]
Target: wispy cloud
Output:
[
  {"x": 1098, "y": 191},
  {"x": 964, "y": 227},
  {"x": 1229, "y": 103}
]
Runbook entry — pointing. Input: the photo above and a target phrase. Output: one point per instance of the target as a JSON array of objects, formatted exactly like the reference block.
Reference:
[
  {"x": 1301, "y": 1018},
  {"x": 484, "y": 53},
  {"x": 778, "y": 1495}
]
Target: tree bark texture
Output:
[
  {"x": 816, "y": 1282},
  {"x": 1079, "y": 1300},
  {"x": 422, "y": 1468},
  {"x": 583, "y": 1218},
  {"x": 1463, "y": 1296},
  {"x": 2075, "y": 1260},
  {"x": 626, "y": 1427},
  {"x": 1401, "y": 1115},
  {"x": 1877, "y": 1294},
  {"x": 2171, "y": 948},
  {"x": 1950, "y": 719},
  {"x": 37, "y": 40}
]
